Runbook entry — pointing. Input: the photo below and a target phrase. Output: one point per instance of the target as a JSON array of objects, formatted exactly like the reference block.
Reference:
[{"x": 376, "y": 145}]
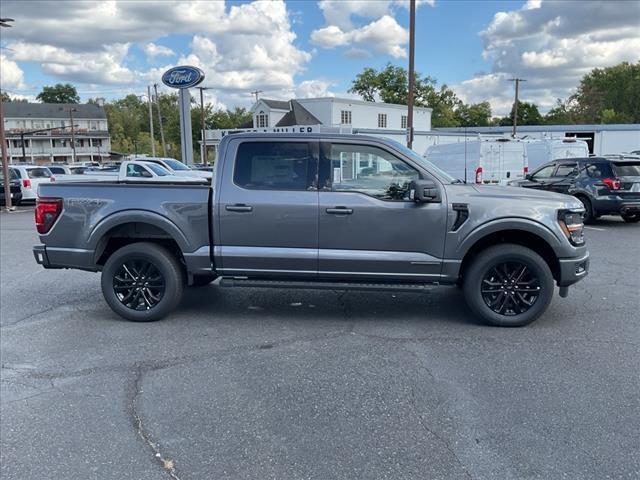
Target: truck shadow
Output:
[{"x": 440, "y": 304}]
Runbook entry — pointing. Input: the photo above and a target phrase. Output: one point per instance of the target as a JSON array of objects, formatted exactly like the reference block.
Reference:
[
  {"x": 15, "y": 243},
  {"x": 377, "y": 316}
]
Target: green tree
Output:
[
  {"x": 528, "y": 114},
  {"x": 5, "y": 97},
  {"x": 391, "y": 85},
  {"x": 59, "y": 93},
  {"x": 605, "y": 90},
  {"x": 562, "y": 114}
]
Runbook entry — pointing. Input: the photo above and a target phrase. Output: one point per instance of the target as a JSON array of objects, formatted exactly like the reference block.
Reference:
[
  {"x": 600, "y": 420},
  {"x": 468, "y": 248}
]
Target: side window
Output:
[
  {"x": 134, "y": 170},
  {"x": 368, "y": 170},
  {"x": 275, "y": 166},
  {"x": 567, "y": 170},
  {"x": 544, "y": 172},
  {"x": 599, "y": 170}
]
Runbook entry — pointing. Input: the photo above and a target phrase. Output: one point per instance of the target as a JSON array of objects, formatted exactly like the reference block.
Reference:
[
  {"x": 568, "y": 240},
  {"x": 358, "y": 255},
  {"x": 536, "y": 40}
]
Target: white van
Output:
[
  {"x": 547, "y": 149},
  {"x": 482, "y": 160}
]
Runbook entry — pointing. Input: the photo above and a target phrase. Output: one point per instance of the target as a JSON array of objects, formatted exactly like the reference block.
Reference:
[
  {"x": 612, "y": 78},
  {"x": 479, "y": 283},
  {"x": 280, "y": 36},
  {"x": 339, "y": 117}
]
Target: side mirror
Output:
[
  {"x": 528, "y": 177},
  {"x": 424, "y": 191},
  {"x": 146, "y": 174}
]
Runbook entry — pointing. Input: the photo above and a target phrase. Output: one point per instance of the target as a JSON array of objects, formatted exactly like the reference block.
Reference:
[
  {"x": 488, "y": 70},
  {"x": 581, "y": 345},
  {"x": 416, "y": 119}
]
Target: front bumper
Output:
[{"x": 574, "y": 269}]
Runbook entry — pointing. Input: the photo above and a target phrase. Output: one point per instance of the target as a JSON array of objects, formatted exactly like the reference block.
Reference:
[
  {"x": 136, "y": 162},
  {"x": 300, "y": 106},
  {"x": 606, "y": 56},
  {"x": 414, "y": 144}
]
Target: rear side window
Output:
[
  {"x": 275, "y": 166},
  {"x": 599, "y": 170},
  {"x": 567, "y": 170},
  {"x": 628, "y": 169},
  {"x": 58, "y": 170},
  {"x": 38, "y": 173}
]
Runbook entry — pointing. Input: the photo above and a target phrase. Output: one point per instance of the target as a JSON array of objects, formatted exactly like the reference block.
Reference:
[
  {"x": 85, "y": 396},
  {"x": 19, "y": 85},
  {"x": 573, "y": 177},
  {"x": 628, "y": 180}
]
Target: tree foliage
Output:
[
  {"x": 528, "y": 114},
  {"x": 59, "y": 93},
  {"x": 391, "y": 85}
]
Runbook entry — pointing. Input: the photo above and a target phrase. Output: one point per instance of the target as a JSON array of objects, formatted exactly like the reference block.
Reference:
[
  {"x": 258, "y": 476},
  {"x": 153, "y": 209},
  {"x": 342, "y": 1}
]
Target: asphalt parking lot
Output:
[{"x": 270, "y": 384}]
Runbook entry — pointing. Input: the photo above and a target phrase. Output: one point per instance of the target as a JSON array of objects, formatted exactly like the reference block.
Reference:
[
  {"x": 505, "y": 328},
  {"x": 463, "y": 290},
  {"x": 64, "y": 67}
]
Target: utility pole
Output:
[
  {"x": 153, "y": 137},
  {"x": 412, "y": 48},
  {"x": 5, "y": 166},
  {"x": 256, "y": 93},
  {"x": 3, "y": 144},
  {"x": 203, "y": 146},
  {"x": 515, "y": 105},
  {"x": 73, "y": 133},
  {"x": 164, "y": 145}
]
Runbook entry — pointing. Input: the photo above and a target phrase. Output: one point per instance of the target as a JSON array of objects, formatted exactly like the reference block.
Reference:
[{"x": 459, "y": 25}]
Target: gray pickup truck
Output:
[{"x": 316, "y": 211}]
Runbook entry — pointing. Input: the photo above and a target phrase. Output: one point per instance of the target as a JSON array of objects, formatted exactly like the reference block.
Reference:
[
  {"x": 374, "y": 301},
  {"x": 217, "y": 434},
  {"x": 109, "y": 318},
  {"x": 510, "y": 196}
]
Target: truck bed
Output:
[{"x": 89, "y": 208}]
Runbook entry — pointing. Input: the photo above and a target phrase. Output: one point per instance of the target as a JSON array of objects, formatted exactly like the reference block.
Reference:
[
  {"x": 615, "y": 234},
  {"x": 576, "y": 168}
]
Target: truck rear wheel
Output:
[
  {"x": 508, "y": 285},
  {"x": 142, "y": 282}
]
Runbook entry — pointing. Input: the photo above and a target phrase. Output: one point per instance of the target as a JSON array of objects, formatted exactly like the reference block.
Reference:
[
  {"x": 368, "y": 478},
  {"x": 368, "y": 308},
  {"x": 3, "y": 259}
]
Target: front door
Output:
[
  {"x": 268, "y": 209},
  {"x": 369, "y": 228}
]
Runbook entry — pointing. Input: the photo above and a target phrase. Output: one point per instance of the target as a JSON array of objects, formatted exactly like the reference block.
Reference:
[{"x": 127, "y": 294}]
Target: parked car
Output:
[
  {"x": 174, "y": 166},
  {"x": 31, "y": 176},
  {"x": 136, "y": 171},
  {"x": 14, "y": 188},
  {"x": 541, "y": 151},
  {"x": 66, "y": 169},
  {"x": 285, "y": 211},
  {"x": 604, "y": 185}
]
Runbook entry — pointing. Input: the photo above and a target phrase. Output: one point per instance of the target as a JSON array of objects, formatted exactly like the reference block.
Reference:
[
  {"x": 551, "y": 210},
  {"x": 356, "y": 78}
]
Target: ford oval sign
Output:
[{"x": 182, "y": 77}]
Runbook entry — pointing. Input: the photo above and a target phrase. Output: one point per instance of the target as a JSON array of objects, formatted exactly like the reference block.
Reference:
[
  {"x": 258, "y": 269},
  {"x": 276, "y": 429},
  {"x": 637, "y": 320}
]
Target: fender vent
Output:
[{"x": 462, "y": 210}]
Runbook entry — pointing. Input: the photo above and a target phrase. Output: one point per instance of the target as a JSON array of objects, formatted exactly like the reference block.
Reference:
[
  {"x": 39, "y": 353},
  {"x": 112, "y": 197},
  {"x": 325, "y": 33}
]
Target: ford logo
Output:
[{"x": 183, "y": 77}]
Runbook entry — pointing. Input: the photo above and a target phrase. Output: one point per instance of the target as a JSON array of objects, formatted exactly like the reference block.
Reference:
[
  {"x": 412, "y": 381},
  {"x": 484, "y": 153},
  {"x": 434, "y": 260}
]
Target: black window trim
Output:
[{"x": 314, "y": 146}]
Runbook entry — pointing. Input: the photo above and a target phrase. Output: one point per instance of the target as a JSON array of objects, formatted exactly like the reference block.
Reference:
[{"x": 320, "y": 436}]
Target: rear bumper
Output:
[
  {"x": 616, "y": 205},
  {"x": 630, "y": 208},
  {"x": 572, "y": 270},
  {"x": 53, "y": 257}
]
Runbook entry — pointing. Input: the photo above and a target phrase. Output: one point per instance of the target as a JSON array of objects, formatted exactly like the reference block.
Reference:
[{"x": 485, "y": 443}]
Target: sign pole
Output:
[{"x": 186, "y": 142}]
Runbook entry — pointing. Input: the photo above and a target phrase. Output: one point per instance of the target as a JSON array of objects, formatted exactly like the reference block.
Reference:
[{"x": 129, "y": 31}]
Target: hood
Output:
[
  {"x": 193, "y": 173},
  {"x": 509, "y": 195}
]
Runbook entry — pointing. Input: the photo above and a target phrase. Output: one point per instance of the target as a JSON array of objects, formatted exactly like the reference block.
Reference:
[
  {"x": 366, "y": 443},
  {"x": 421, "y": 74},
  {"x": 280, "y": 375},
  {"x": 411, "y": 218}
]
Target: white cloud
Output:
[
  {"x": 552, "y": 46},
  {"x": 153, "y": 50},
  {"x": 313, "y": 88},
  {"x": 384, "y": 36},
  {"x": 12, "y": 76},
  {"x": 240, "y": 47},
  {"x": 380, "y": 33}
]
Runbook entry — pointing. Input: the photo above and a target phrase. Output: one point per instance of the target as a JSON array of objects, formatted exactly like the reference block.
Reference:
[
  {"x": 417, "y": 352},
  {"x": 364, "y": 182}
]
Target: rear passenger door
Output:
[{"x": 268, "y": 209}]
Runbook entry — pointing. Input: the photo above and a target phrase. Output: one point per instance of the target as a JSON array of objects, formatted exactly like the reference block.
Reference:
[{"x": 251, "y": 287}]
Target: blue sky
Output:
[{"x": 313, "y": 48}]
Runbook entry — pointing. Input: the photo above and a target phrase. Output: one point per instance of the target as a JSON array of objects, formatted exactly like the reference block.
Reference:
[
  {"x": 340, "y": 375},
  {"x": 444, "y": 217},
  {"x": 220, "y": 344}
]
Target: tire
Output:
[
  {"x": 631, "y": 217},
  {"x": 589, "y": 214},
  {"x": 536, "y": 279},
  {"x": 202, "y": 280},
  {"x": 163, "y": 274}
]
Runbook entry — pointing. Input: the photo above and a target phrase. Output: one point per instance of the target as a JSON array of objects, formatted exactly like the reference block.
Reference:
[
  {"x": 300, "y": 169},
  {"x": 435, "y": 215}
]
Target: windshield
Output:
[
  {"x": 628, "y": 169},
  {"x": 426, "y": 163},
  {"x": 38, "y": 173},
  {"x": 175, "y": 164},
  {"x": 158, "y": 170}
]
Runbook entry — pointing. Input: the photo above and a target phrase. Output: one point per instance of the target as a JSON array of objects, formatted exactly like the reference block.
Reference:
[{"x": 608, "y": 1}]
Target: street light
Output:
[{"x": 153, "y": 137}]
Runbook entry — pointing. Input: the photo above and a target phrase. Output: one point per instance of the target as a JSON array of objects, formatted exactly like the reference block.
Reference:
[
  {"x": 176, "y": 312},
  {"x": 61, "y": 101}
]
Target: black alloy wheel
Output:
[
  {"x": 138, "y": 284},
  {"x": 510, "y": 288}
]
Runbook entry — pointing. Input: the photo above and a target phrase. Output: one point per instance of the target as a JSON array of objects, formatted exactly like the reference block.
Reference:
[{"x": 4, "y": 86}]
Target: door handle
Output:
[
  {"x": 240, "y": 207},
  {"x": 340, "y": 211}
]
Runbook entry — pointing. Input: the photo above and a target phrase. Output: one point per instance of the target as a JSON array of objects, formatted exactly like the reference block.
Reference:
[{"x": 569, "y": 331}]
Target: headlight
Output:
[{"x": 571, "y": 223}]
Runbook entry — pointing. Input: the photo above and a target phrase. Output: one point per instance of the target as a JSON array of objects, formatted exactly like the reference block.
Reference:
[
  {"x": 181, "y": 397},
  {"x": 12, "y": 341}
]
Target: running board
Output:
[{"x": 325, "y": 285}]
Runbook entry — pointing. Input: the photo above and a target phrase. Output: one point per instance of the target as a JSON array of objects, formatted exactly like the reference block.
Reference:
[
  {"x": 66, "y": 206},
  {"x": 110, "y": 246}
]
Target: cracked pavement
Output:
[{"x": 274, "y": 384}]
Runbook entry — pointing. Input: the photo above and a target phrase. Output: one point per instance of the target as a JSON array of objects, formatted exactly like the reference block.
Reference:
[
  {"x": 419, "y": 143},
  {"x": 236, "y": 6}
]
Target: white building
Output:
[
  {"x": 42, "y": 133},
  {"x": 330, "y": 114},
  {"x": 601, "y": 139}
]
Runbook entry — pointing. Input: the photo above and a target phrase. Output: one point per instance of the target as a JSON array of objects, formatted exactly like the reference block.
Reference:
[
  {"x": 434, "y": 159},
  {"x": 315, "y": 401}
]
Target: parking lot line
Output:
[{"x": 594, "y": 228}]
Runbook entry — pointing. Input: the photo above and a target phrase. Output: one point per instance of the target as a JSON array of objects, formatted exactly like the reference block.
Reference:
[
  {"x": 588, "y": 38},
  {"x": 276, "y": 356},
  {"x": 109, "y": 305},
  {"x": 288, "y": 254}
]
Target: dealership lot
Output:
[{"x": 314, "y": 384}]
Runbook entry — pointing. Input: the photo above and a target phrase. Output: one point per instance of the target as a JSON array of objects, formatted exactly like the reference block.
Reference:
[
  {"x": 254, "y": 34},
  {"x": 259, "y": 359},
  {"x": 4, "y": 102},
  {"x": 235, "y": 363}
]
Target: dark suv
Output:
[{"x": 605, "y": 186}]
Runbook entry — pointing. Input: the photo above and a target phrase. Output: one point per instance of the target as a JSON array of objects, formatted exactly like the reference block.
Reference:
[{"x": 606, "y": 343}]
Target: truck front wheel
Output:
[
  {"x": 142, "y": 282},
  {"x": 508, "y": 285}
]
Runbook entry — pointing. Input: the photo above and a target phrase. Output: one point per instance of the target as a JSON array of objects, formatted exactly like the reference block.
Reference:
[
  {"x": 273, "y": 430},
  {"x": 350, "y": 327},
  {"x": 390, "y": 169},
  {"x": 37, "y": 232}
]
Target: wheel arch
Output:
[{"x": 541, "y": 241}]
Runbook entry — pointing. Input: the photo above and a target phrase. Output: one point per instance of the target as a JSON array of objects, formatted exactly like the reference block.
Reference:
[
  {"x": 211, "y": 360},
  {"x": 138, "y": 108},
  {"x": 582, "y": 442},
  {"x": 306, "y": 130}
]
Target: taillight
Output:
[
  {"x": 479, "y": 175},
  {"x": 26, "y": 183},
  {"x": 526, "y": 170},
  {"x": 612, "y": 183},
  {"x": 52, "y": 179},
  {"x": 47, "y": 212}
]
